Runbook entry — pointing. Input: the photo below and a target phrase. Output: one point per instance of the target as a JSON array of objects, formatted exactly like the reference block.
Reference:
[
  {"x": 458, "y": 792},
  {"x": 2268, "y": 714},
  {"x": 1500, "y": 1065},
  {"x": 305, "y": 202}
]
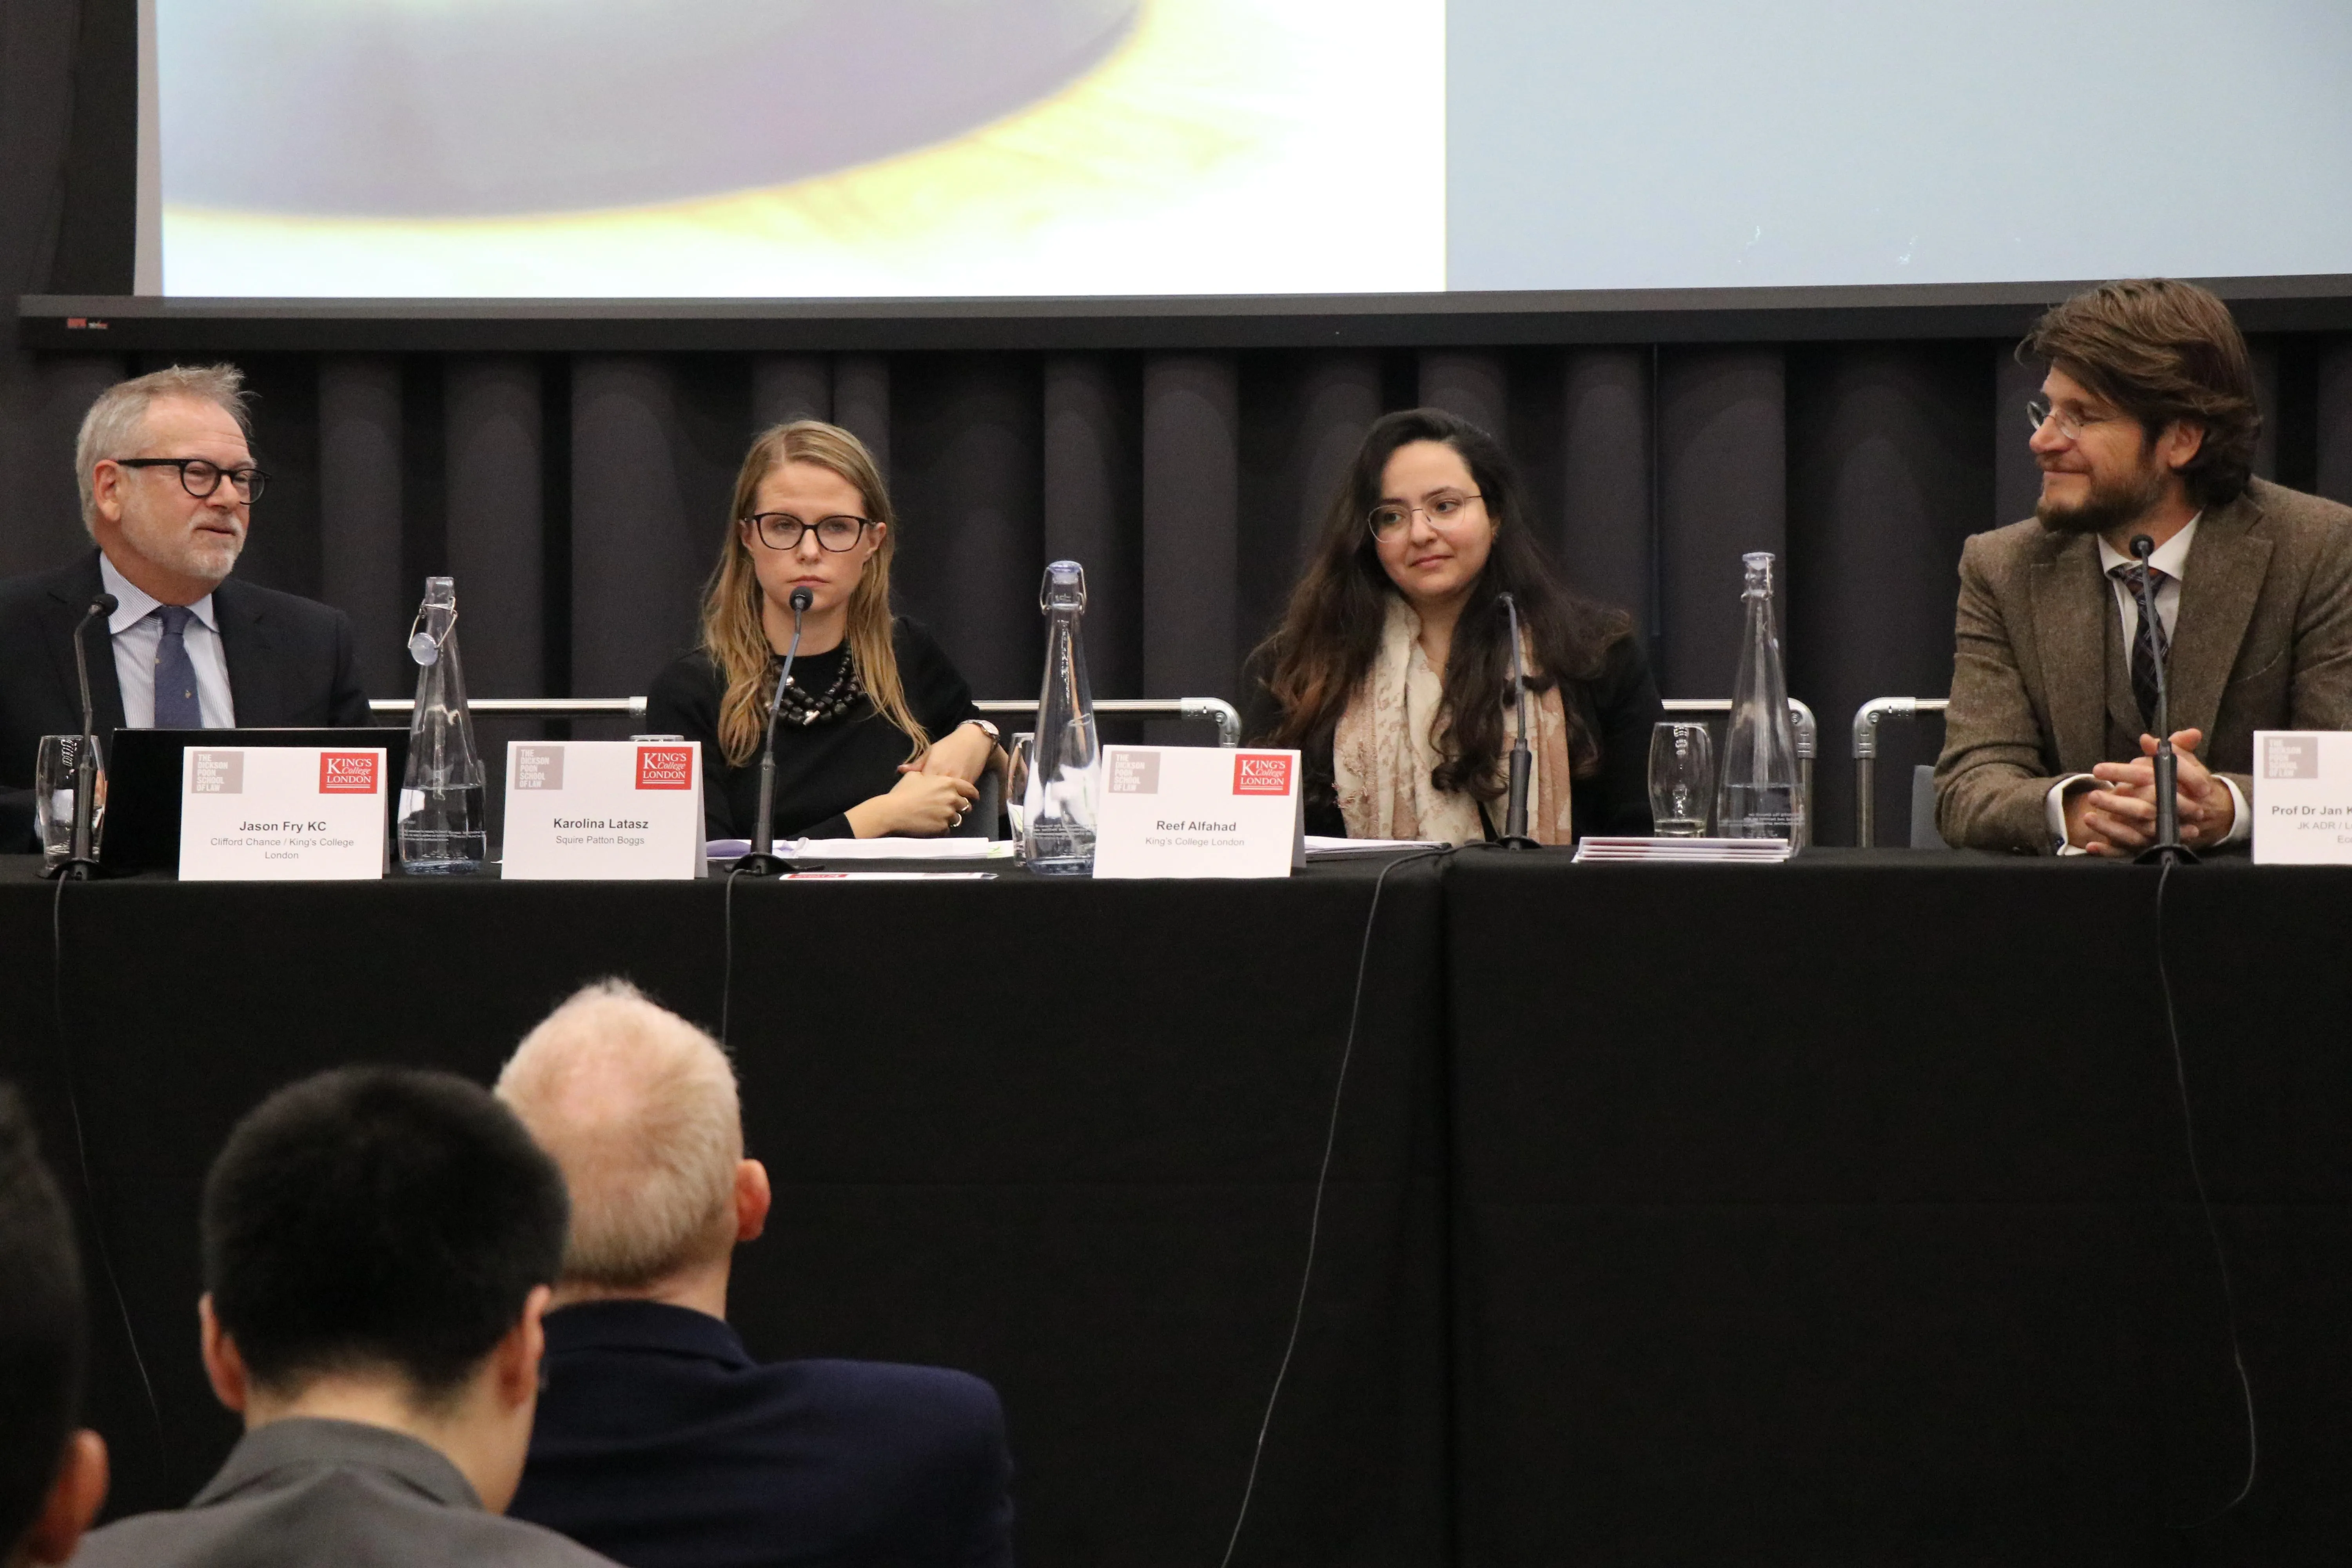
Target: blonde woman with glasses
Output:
[{"x": 877, "y": 735}]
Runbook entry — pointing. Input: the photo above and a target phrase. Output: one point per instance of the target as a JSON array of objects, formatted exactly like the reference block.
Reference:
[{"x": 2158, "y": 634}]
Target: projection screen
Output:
[{"x": 961, "y": 149}]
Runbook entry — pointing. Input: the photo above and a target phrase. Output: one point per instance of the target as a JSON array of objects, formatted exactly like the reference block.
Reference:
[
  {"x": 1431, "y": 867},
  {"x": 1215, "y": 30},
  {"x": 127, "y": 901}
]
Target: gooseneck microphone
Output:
[
  {"x": 83, "y": 863},
  {"x": 763, "y": 861},
  {"x": 2167, "y": 844},
  {"x": 1514, "y": 814}
]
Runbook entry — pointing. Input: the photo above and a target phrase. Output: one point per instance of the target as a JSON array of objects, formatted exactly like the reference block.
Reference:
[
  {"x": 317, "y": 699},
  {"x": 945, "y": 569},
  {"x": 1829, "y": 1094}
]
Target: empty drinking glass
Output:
[
  {"x": 1682, "y": 778},
  {"x": 1016, "y": 778},
  {"x": 53, "y": 797}
]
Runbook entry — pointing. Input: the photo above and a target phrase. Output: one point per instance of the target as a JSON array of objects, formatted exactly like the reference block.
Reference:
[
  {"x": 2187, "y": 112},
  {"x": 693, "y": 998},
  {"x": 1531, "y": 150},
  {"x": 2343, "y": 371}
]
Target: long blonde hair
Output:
[{"x": 732, "y": 633}]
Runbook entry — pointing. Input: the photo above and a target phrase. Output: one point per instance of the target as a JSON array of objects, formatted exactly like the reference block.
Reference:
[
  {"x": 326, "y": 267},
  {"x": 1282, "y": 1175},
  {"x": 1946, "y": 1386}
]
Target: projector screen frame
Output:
[{"x": 49, "y": 323}]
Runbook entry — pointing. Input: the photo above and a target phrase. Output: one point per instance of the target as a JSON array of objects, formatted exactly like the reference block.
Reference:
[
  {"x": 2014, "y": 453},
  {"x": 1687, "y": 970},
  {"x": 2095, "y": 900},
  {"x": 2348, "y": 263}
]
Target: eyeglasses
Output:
[
  {"x": 2070, "y": 426},
  {"x": 1442, "y": 508},
  {"x": 200, "y": 479},
  {"x": 783, "y": 530}
]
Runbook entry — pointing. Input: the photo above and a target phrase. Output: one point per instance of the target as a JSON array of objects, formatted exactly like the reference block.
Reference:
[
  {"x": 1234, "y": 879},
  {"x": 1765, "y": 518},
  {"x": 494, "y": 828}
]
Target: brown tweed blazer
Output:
[{"x": 2042, "y": 679}]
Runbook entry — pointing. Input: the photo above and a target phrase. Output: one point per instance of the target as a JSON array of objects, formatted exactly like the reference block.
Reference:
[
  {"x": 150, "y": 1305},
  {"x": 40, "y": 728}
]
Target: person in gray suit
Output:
[
  {"x": 2146, "y": 425},
  {"x": 378, "y": 1245}
]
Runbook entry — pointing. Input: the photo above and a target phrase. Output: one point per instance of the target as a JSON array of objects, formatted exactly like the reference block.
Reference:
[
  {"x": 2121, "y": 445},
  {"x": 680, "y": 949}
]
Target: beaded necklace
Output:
[{"x": 800, "y": 708}]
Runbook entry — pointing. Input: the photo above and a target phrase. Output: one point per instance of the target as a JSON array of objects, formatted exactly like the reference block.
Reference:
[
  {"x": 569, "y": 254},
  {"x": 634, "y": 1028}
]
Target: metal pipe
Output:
[
  {"x": 1866, "y": 720},
  {"x": 1208, "y": 710},
  {"x": 530, "y": 707},
  {"x": 1211, "y": 709}
]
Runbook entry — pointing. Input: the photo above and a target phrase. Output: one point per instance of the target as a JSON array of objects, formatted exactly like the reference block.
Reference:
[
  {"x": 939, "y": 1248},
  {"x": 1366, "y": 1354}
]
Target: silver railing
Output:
[
  {"x": 1212, "y": 709},
  {"x": 1801, "y": 718},
  {"x": 1866, "y": 720},
  {"x": 530, "y": 707}
]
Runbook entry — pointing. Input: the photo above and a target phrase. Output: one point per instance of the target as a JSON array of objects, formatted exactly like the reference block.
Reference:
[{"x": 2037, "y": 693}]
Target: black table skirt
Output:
[
  {"x": 1834, "y": 1212},
  {"x": 1061, "y": 1135},
  {"x": 1843, "y": 1213}
]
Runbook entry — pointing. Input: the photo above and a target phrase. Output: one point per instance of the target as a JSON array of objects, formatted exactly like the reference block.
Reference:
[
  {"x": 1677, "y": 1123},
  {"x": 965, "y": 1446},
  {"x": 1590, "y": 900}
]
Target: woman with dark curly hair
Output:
[{"x": 1391, "y": 668}]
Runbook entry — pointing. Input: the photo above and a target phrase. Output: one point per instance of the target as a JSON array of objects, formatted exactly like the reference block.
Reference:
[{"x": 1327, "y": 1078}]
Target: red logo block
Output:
[
  {"x": 664, "y": 767},
  {"x": 347, "y": 773},
  {"x": 1254, "y": 773}
]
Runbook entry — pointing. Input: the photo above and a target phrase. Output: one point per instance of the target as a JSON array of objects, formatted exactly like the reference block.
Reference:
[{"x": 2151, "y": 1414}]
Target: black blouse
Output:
[
  {"x": 1616, "y": 707},
  {"x": 822, "y": 770}
]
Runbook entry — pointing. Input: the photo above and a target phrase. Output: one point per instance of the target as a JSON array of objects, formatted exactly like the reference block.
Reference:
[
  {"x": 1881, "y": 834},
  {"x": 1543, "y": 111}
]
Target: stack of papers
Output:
[
  {"x": 871, "y": 848},
  {"x": 1685, "y": 851},
  {"x": 1321, "y": 848}
]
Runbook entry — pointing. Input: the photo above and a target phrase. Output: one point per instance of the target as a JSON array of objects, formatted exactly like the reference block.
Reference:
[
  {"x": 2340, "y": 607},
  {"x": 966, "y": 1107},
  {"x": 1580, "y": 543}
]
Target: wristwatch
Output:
[{"x": 994, "y": 735}]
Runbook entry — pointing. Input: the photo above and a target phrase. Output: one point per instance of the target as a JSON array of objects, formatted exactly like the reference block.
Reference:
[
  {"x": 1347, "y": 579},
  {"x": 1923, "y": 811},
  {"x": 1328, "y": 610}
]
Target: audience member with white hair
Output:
[{"x": 659, "y": 1441}]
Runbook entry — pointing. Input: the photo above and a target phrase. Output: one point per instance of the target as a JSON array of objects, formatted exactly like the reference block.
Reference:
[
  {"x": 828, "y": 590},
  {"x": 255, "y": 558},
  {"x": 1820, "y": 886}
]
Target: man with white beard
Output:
[{"x": 168, "y": 484}]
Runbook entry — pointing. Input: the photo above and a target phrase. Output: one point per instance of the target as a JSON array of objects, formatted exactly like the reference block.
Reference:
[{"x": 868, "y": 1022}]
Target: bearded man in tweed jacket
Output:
[{"x": 2145, "y": 426}]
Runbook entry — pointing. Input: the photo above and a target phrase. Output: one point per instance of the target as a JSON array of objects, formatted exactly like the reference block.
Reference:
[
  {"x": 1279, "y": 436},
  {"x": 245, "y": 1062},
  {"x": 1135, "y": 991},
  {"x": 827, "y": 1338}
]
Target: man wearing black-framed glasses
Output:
[
  {"x": 168, "y": 483},
  {"x": 2144, "y": 430}
]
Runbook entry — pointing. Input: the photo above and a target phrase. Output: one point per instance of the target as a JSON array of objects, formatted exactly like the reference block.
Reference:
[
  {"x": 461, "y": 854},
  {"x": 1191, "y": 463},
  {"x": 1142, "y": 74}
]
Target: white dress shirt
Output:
[
  {"x": 2172, "y": 558},
  {"x": 137, "y": 632}
]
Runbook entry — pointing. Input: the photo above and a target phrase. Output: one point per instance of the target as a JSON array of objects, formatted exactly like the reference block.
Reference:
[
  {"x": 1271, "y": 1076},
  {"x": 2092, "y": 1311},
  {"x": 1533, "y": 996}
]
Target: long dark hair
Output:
[{"x": 1331, "y": 631}]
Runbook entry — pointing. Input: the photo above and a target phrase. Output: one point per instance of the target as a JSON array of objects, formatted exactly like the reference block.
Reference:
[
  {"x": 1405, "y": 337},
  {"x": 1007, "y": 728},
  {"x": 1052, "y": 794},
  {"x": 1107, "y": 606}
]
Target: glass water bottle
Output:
[
  {"x": 441, "y": 827},
  {"x": 1058, "y": 804},
  {"x": 1760, "y": 793}
]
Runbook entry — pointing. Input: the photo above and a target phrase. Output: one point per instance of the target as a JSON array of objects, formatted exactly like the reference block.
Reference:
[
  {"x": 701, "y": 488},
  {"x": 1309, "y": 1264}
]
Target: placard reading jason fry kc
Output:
[{"x": 281, "y": 814}]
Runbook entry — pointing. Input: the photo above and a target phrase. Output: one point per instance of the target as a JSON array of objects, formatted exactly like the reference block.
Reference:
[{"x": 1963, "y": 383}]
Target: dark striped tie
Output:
[
  {"x": 2150, "y": 646},
  {"x": 176, "y": 707}
]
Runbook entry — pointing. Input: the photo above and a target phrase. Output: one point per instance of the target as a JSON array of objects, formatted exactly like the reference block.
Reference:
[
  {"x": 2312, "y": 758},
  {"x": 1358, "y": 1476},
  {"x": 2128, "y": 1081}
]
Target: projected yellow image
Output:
[{"x": 798, "y": 149}]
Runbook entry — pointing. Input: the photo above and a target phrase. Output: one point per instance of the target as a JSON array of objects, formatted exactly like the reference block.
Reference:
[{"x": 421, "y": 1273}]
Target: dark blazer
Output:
[
  {"x": 660, "y": 1443},
  {"x": 303, "y": 1491},
  {"x": 2042, "y": 679},
  {"x": 289, "y": 665}
]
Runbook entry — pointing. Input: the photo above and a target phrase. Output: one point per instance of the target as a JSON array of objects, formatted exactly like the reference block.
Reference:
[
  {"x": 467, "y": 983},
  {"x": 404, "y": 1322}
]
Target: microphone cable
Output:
[
  {"x": 2205, "y": 1206},
  {"x": 81, "y": 1158},
  {"x": 1322, "y": 1182},
  {"x": 727, "y": 963}
]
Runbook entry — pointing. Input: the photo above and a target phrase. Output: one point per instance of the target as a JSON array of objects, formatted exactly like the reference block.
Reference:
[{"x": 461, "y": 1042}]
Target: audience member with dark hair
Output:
[
  {"x": 52, "y": 1476},
  {"x": 660, "y": 1441},
  {"x": 378, "y": 1248}
]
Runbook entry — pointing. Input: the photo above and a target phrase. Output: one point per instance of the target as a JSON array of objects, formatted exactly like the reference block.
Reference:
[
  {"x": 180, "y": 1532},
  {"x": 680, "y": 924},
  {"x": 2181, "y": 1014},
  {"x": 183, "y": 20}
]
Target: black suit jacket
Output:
[
  {"x": 290, "y": 665},
  {"x": 660, "y": 1443}
]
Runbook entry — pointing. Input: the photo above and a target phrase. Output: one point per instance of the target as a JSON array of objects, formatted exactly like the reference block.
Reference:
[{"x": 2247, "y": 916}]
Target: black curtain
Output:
[{"x": 579, "y": 498}]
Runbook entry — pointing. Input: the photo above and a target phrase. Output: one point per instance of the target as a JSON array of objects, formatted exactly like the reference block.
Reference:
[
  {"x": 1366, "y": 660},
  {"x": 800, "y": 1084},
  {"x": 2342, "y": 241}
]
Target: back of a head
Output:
[
  {"x": 639, "y": 1107},
  {"x": 2161, "y": 350},
  {"x": 374, "y": 1219},
  {"x": 43, "y": 1335}
]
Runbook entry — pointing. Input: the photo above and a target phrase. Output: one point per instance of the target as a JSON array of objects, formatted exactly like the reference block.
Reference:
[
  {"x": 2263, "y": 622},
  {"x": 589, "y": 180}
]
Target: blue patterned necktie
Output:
[
  {"x": 176, "y": 707},
  {"x": 2150, "y": 646}
]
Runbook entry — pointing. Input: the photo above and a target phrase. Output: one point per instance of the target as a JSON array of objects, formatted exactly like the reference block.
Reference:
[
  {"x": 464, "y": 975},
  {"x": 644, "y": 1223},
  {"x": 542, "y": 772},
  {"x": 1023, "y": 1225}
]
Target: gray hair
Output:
[
  {"x": 115, "y": 424},
  {"x": 639, "y": 1109}
]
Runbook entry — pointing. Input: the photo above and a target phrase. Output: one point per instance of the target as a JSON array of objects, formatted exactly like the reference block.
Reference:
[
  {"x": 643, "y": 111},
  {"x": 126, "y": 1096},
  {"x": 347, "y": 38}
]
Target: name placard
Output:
[
  {"x": 2303, "y": 797},
  {"x": 1198, "y": 811},
  {"x": 612, "y": 811},
  {"x": 281, "y": 814}
]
